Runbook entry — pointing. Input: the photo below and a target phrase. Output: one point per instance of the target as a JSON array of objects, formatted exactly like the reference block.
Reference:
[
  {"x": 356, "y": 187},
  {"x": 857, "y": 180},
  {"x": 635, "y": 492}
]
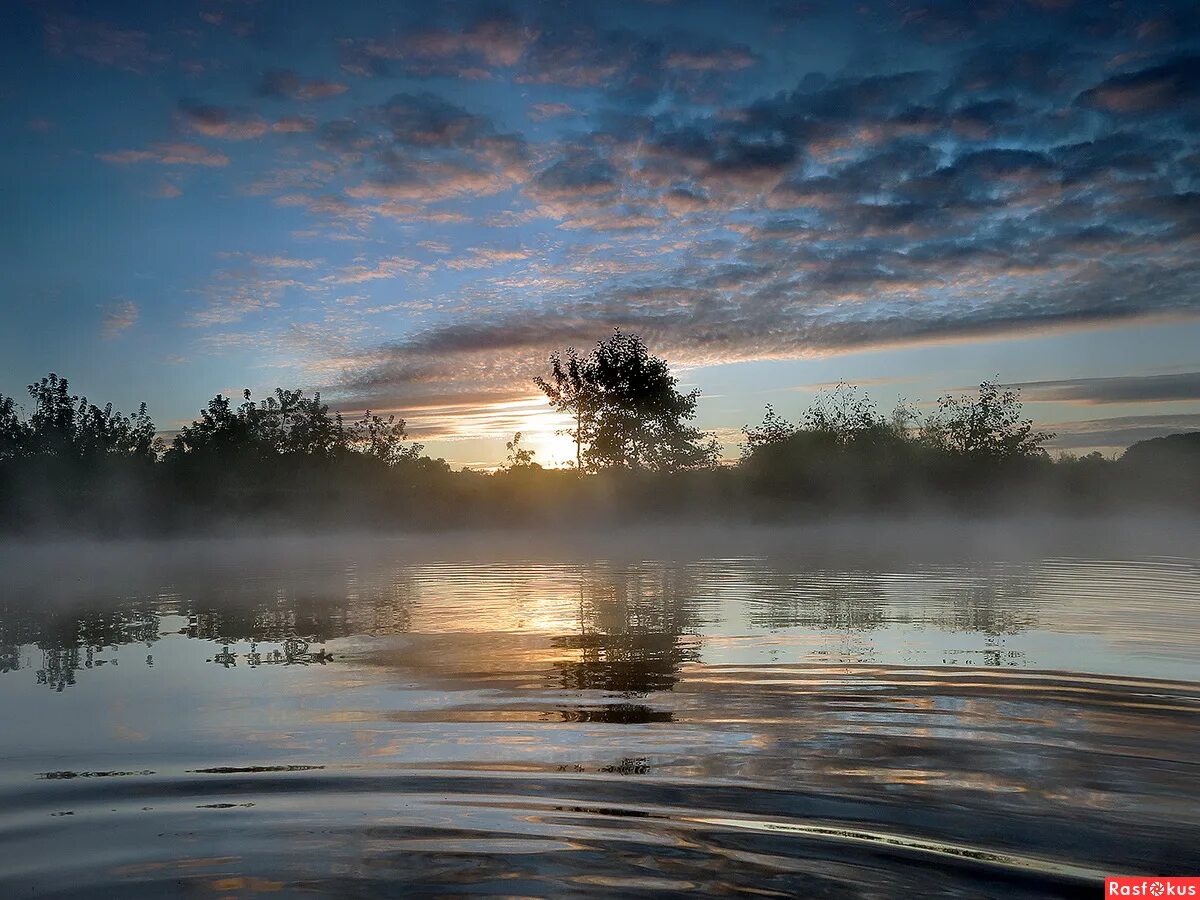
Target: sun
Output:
[{"x": 553, "y": 450}]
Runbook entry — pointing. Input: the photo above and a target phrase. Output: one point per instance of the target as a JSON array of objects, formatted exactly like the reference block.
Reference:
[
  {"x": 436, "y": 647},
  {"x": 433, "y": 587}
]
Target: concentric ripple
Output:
[{"x": 349, "y": 723}]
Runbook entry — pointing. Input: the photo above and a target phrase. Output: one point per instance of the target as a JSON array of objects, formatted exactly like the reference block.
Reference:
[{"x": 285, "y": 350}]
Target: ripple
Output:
[{"x": 735, "y": 724}]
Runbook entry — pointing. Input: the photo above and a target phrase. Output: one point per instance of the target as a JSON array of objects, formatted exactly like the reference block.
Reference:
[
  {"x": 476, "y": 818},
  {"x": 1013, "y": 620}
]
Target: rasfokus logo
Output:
[{"x": 1151, "y": 886}]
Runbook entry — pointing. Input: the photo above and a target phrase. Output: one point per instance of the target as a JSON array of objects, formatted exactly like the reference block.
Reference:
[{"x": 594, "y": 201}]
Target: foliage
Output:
[
  {"x": 290, "y": 459},
  {"x": 383, "y": 439},
  {"x": 839, "y": 417},
  {"x": 67, "y": 427},
  {"x": 773, "y": 430},
  {"x": 988, "y": 426},
  {"x": 843, "y": 414},
  {"x": 571, "y": 390},
  {"x": 288, "y": 423},
  {"x": 627, "y": 409},
  {"x": 12, "y": 430},
  {"x": 518, "y": 456},
  {"x": 1173, "y": 448}
]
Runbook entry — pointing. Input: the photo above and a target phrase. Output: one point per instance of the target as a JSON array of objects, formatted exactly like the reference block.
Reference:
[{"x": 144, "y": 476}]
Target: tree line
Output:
[{"x": 291, "y": 459}]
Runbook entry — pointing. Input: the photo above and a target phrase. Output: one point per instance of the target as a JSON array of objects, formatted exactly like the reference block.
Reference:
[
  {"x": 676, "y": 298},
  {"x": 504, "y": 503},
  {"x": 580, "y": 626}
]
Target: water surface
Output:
[{"x": 384, "y": 716}]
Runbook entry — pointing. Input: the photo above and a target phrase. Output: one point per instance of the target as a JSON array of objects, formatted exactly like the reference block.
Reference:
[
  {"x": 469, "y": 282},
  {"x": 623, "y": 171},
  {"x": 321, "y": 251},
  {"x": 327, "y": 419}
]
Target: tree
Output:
[
  {"x": 12, "y": 431},
  {"x": 519, "y": 457},
  {"x": 987, "y": 426},
  {"x": 773, "y": 430},
  {"x": 288, "y": 423},
  {"x": 64, "y": 426},
  {"x": 51, "y": 429},
  {"x": 571, "y": 389},
  {"x": 843, "y": 414},
  {"x": 627, "y": 409},
  {"x": 840, "y": 417},
  {"x": 383, "y": 439},
  {"x": 223, "y": 432}
]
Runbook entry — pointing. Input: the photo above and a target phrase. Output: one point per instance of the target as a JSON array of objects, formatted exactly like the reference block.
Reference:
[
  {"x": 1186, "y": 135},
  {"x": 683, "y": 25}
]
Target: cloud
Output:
[
  {"x": 166, "y": 191},
  {"x": 629, "y": 66},
  {"x": 388, "y": 267},
  {"x": 581, "y": 172},
  {"x": 284, "y": 262},
  {"x": 718, "y": 59},
  {"x": 539, "y": 112},
  {"x": 544, "y": 47},
  {"x": 294, "y": 125},
  {"x": 416, "y": 149},
  {"x": 253, "y": 284},
  {"x": 101, "y": 43},
  {"x": 427, "y": 120},
  {"x": 472, "y": 52},
  {"x": 118, "y": 317},
  {"x": 286, "y": 84},
  {"x": 172, "y": 154},
  {"x": 1154, "y": 89},
  {"x": 1183, "y": 386},
  {"x": 684, "y": 176},
  {"x": 219, "y": 122},
  {"x": 1120, "y": 431},
  {"x": 697, "y": 317},
  {"x": 486, "y": 258}
]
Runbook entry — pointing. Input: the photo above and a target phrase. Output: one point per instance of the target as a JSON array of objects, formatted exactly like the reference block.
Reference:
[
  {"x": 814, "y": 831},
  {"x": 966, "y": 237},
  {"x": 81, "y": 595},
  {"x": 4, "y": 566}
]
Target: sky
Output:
[{"x": 408, "y": 206}]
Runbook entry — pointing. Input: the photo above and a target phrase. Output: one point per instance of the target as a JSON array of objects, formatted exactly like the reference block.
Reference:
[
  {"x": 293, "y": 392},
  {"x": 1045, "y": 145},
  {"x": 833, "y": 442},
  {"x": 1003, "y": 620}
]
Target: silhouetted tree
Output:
[
  {"x": 840, "y": 416},
  {"x": 519, "y": 457},
  {"x": 289, "y": 458},
  {"x": 988, "y": 426},
  {"x": 843, "y": 451},
  {"x": 285, "y": 423},
  {"x": 65, "y": 427},
  {"x": 843, "y": 414},
  {"x": 1171, "y": 450},
  {"x": 627, "y": 408},
  {"x": 642, "y": 421},
  {"x": 51, "y": 428},
  {"x": 572, "y": 390},
  {"x": 773, "y": 430},
  {"x": 11, "y": 429},
  {"x": 383, "y": 439}
]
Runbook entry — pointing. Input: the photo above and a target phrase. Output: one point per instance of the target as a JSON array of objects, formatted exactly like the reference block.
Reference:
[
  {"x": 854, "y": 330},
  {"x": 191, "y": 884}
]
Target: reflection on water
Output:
[{"x": 341, "y": 722}]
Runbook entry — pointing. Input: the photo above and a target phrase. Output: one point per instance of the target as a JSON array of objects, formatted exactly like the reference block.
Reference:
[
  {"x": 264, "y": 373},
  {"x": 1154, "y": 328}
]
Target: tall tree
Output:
[
  {"x": 627, "y": 409},
  {"x": 572, "y": 390},
  {"x": 64, "y": 426},
  {"x": 987, "y": 426},
  {"x": 12, "y": 430}
]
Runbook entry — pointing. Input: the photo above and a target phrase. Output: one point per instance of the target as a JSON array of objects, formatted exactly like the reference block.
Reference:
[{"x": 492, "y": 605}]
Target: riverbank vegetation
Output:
[{"x": 290, "y": 460}]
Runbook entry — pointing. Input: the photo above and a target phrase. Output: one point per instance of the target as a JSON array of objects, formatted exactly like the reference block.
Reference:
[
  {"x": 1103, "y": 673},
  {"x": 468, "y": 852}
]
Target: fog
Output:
[{"x": 66, "y": 569}]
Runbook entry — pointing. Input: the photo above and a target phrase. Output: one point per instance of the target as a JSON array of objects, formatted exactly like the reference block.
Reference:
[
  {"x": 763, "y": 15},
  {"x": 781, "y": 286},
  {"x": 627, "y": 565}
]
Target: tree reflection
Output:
[
  {"x": 633, "y": 629},
  {"x": 823, "y": 600},
  {"x": 292, "y": 652},
  {"x": 285, "y": 620},
  {"x": 621, "y": 630}
]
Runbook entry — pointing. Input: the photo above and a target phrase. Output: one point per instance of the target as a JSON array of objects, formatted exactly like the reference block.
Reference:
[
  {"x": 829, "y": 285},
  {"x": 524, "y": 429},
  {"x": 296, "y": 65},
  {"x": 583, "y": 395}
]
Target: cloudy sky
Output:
[{"x": 407, "y": 206}]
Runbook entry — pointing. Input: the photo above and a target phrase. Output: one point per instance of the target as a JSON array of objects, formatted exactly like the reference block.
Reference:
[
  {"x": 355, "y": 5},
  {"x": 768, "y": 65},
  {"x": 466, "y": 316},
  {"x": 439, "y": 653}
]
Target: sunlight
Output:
[
  {"x": 495, "y": 424},
  {"x": 543, "y": 436}
]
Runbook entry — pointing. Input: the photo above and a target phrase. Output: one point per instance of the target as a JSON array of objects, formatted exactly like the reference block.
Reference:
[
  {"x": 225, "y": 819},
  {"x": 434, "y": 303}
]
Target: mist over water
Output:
[{"x": 922, "y": 708}]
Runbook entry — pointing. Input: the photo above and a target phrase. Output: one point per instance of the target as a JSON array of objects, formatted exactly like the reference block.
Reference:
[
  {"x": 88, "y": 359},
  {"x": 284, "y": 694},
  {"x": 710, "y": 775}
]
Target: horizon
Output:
[{"x": 409, "y": 210}]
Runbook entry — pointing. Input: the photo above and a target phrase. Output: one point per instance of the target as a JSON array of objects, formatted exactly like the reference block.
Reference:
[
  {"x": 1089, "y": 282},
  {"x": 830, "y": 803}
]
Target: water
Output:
[{"x": 771, "y": 718}]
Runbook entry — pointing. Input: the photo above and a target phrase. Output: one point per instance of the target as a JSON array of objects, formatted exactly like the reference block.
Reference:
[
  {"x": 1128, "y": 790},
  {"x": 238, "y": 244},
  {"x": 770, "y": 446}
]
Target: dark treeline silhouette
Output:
[{"x": 289, "y": 460}]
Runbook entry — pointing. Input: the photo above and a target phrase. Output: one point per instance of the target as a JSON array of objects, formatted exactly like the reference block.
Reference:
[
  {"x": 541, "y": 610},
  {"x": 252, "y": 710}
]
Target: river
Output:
[{"x": 857, "y": 713}]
